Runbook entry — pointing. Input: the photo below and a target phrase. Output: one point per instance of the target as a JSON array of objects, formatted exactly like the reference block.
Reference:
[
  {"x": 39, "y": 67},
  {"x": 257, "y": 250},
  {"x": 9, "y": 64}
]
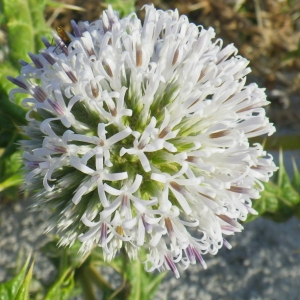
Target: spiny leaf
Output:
[
  {"x": 23, "y": 293},
  {"x": 62, "y": 288},
  {"x": 280, "y": 199},
  {"x": 289, "y": 194},
  {"x": 296, "y": 178},
  {"x": 9, "y": 289}
]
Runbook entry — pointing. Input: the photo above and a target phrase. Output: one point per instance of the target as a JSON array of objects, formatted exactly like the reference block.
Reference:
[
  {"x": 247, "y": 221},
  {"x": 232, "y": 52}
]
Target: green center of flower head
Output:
[{"x": 138, "y": 136}]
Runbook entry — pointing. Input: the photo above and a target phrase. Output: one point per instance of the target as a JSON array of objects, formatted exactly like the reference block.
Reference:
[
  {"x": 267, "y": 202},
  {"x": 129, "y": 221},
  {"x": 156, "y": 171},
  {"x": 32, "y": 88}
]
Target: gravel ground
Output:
[{"x": 264, "y": 263}]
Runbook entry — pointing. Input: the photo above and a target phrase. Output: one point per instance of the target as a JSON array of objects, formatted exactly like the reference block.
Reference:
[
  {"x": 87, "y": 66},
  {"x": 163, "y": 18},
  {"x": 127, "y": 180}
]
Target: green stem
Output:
[
  {"x": 98, "y": 279},
  {"x": 86, "y": 284}
]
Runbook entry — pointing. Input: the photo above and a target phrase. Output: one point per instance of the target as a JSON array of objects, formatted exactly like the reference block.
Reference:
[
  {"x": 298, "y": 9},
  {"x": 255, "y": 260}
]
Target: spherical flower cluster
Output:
[{"x": 138, "y": 137}]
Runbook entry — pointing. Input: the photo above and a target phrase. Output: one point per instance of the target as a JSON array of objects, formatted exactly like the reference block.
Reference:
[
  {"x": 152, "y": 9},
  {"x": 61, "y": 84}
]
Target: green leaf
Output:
[
  {"x": 137, "y": 283},
  {"x": 11, "y": 148},
  {"x": 19, "y": 28},
  {"x": 7, "y": 129},
  {"x": 296, "y": 178},
  {"x": 23, "y": 293},
  {"x": 25, "y": 26},
  {"x": 143, "y": 285},
  {"x": 270, "y": 197},
  {"x": 280, "y": 199},
  {"x": 289, "y": 194},
  {"x": 10, "y": 174},
  {"x": 9, "y": 289},
  {"x": 259, "y": 205},
  {"x": 37, "y": 8},
  {"x": 124, "y": 7},
  {"x": 10, "y": 165},
  {"x": 89, "y": 278},
  {"x": 12, "y": 111},
  {"x": 25, "y": 23},
  {"x": 11, "y": 181},
  {"x": 62, "y": 288}
]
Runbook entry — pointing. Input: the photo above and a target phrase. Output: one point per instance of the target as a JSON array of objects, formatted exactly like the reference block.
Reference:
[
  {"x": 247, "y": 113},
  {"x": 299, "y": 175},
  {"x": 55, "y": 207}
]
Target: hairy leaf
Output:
[{"x": 19, "y": 28}]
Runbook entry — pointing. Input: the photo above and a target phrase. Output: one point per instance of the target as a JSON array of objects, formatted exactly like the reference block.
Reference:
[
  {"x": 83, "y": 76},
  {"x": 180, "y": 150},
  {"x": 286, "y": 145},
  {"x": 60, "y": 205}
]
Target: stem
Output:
[
  {"x": 98, "y": 279},
  {"x": 86, "y": 284}
]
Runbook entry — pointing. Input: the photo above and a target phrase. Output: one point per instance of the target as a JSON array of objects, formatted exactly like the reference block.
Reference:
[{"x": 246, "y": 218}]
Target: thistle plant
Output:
[{"x": 139, "y": 137}]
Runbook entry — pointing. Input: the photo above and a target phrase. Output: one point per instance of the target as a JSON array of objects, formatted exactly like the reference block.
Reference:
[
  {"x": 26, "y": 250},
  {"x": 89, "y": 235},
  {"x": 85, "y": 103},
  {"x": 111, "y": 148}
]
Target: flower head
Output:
[{"x": 139, "y": 137}]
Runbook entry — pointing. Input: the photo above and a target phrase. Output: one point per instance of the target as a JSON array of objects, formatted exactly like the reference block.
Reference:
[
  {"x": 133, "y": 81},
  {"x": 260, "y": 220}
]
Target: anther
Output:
[
  {"x": 17, "y": 82},
  {"x": 139, "y": 55},
  {"x": 35, "y": 60},
  {"x": 94, "y": 88},
  {"x": 219, "y": 134},
  {"x": 175, "y": 57},
  {"x": 49, "y": 57},
  {"x": 39, "y": 94}
]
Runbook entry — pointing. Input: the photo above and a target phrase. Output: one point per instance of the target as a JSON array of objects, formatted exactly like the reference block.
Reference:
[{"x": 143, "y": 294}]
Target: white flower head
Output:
[{"x": 139, "y": 136}]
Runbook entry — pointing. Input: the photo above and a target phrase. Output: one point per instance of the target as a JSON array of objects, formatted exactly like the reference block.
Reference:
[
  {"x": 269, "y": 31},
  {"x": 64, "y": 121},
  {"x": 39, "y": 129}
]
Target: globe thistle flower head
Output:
[{"x": 138, "y": 137}]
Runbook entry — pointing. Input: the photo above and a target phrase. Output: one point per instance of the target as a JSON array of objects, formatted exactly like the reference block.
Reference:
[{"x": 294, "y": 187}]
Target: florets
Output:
[{"x": 139, "y": 137}]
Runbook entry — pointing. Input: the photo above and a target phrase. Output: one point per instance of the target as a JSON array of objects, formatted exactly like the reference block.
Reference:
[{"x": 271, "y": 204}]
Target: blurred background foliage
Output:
[{"x": 267, "y": 32}]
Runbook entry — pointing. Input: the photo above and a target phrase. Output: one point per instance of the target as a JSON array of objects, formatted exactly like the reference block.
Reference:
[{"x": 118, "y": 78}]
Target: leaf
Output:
[
  {"x": 289, "y": 194},
  {"x": 25, "y": 23},
  {"x": 124, "y": 7},
  {"x": 280, "y": 199},
  {"x": 23, "y": 293},
  {"x": 296, "y": 178},
  {"x": 10, "y": 165},
  {"x": 19, "y": 28},
  {"x": 137, "y": 283},
  {"x": 25, "y": 26},
  {"x": 12, "y": 111},
  {"x": 37, "y": 8},
  {"x": 62, "y": 288},
  {"x": 11, "y": 181},
  {"x": 154, "y": 284},
  {"x": 259, "y": 205},
  {"x": 9, "y": 289},
  {"x": 143, "y": 285}
]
